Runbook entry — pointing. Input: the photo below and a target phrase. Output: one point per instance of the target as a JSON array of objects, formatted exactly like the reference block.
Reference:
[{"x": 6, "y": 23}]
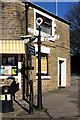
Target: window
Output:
[
  {"x": 46, "y": 25},
  {"x": 9, "y": 65},
  {"x": 9, "y": 60},
  {"x": 44, "y": 64}
]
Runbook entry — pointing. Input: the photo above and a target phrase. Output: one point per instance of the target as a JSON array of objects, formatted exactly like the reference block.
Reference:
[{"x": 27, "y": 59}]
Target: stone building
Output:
[{"x": 19, "y": 19}]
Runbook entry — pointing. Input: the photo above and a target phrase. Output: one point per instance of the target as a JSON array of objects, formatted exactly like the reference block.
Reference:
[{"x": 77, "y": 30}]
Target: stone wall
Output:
[
  {"x": 13, "y": 17},
  {"x": 14, "y": 25},
  {"x": 59, "y": 48}
]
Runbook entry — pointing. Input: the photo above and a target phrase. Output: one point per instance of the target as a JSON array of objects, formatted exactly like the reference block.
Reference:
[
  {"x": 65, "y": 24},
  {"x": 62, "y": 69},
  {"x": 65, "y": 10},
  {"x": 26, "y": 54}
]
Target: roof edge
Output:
[{"x": 47, "y": 12}]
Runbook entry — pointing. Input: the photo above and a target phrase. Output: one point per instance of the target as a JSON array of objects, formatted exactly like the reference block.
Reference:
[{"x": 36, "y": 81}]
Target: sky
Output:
[{"x": 63, "y": 7}]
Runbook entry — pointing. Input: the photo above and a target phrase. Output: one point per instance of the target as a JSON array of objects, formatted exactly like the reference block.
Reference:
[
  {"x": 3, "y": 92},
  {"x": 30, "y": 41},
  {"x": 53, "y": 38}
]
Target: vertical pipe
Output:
[
  {"x": 26, "y": 51},
  {"x": 26, "y": 12}
]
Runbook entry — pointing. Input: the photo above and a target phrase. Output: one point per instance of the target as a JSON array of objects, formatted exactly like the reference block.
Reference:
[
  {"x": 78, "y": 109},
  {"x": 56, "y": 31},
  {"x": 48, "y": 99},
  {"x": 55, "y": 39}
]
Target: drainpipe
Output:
[
  {"x": 26, "y": 12},
  {"x": 26, "y": 52},
  {"x": 28, "y": 61}
]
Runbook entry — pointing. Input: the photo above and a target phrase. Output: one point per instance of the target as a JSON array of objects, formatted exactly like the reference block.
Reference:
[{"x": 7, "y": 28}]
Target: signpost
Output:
[{"x": 31, "y": 49}]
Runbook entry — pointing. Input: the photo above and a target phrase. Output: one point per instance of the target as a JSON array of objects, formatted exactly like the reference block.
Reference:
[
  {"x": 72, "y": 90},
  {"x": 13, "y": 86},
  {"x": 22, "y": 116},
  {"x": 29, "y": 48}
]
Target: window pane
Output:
[
  {"x": 44, "y": 64},
  {"x": 9, "y": 65},
  {"x": 11, "y": 61},
  {"x": 44, "y": 29},
  {"x": 4, "y": 60},
  {"x": 46, "y": 26}
]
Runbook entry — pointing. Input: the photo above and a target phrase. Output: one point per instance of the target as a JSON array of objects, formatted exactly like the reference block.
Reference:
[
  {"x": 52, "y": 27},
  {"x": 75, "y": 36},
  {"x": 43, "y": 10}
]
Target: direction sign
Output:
[{"x": 31, "y": 49}]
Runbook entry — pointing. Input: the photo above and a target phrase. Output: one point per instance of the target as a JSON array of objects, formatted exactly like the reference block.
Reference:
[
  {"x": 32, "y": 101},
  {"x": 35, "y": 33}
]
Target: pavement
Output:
[{"x": 60, "y": 104}]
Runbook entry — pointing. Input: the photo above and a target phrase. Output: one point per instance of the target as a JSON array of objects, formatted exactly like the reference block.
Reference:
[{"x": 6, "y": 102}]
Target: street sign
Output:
[{"x": 31, "y": 49}]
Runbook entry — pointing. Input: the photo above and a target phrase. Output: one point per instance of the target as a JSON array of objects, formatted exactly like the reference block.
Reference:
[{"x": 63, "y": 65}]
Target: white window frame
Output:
[
  {"x": 43, "y": 34},
  {"x": 46, "y": 50}
]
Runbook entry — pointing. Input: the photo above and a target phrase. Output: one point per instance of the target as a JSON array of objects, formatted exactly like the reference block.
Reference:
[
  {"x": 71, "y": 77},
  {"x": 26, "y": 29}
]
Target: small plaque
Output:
[{"x": 2, "y": 97}]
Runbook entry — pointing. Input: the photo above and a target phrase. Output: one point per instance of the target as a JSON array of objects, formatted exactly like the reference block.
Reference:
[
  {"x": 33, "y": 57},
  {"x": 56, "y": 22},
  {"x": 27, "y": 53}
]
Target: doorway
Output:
[{"x": 61, "y": 72}]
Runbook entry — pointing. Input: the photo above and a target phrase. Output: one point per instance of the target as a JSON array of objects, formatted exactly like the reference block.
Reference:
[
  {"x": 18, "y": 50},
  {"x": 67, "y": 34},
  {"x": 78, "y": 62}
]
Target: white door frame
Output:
[{"x": 63, "y": 71}]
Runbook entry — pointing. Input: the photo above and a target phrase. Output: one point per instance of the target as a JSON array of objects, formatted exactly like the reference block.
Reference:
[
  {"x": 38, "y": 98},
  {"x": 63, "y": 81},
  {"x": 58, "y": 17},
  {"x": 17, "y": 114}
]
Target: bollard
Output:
[{"x": 6, "y": 100}]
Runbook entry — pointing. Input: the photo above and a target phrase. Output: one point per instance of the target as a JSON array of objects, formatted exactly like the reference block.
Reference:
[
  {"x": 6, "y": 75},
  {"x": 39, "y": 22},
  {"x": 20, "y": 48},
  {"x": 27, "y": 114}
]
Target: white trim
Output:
[
  {"x": 19, "y": 65},
  {"x": 43, "y": 14},
  {"x": 42, "y": 71},
  {"x": 5, "y": 77},
  {"x": 44, "y": 49},
  {"x": 63, "y": 77},
  {"x": 19, "y": 74},
  {"x": 44, "y": 36},
  {"x": 44, "y": 77}
]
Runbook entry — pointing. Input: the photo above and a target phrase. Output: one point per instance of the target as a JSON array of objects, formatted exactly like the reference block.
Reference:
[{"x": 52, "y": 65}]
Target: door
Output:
[{"x": 61, "y": 72}]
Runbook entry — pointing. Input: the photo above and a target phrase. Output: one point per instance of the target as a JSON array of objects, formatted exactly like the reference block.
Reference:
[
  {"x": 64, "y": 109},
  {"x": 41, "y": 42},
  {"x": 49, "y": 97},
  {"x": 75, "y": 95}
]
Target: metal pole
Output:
[
  {"x": 56, "y": 7},
  {"x": 23, "y": 74},
  {"x": 26, "y": 52},
  {"x": 31, "y": 96},
  {"x": 39, "y": 102}
]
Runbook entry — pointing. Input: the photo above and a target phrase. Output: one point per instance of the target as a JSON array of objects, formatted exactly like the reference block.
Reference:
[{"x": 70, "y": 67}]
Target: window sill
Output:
[
  {"x": 44, "y": 77},
  {"x": 43, "y": 34},
  {"x": 5, "y": 77}
]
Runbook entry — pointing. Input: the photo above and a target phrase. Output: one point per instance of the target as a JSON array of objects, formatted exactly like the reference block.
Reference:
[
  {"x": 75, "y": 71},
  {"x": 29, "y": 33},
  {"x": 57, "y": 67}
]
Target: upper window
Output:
[{"x": 46, "y": 25}]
